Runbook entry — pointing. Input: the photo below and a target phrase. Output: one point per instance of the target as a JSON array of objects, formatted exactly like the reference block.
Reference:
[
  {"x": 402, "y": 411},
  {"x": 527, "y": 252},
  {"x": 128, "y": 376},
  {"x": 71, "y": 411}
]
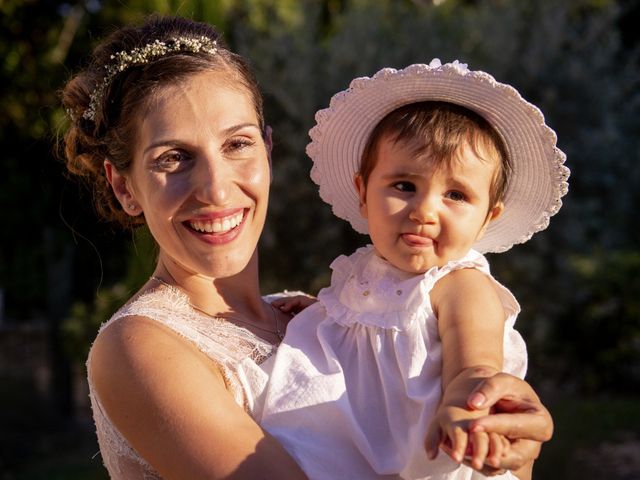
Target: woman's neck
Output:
[{"x": 237, "y": 294}]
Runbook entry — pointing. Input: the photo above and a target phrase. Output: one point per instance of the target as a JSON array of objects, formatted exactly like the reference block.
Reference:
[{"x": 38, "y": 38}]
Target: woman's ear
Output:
[
  {"x": 362, "y": 194},
  {"x": 121, "y": 189},
  {"x": 268, "y": 143}
]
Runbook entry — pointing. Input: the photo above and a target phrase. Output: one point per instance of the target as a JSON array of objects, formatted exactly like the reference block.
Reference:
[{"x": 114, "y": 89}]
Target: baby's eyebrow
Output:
[
  {"x": 404, "y": 174},
  {"x": 463, "y": 184}
]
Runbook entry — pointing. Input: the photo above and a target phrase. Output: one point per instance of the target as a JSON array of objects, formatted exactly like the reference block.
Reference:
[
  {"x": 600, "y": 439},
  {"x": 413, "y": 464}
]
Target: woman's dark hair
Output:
[{"x": 109, "y": 132}]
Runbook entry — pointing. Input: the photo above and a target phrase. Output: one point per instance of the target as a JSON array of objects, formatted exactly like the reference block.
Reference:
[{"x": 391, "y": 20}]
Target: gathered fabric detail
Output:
[{"x": 368, "y": 291}]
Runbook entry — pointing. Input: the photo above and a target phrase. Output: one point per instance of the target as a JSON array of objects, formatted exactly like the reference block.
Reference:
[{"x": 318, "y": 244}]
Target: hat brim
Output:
[{"x": 539, "y": 176}]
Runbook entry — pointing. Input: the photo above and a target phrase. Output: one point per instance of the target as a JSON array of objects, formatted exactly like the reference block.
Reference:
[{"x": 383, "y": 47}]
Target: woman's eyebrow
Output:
[
  {"x": 235, "y": 128},
  {"x": 227, "y": 131},
  {"x": 162, "y": 143}
]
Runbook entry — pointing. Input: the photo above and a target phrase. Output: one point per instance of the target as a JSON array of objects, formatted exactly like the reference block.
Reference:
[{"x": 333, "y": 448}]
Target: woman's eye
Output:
[
  {"x": 238, "y": 144},
  {"x": 456, "y": 196},
  {"x": 170, "y": 161},
  {"x": 404, "y": 186}
]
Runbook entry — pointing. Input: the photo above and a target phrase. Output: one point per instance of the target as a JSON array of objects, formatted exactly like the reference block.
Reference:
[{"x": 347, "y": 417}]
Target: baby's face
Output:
[{"x": 420, "y": 216}]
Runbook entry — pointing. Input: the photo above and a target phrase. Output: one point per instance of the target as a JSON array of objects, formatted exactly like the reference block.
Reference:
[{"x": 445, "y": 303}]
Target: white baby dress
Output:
[{"x": 357, "y": 379}]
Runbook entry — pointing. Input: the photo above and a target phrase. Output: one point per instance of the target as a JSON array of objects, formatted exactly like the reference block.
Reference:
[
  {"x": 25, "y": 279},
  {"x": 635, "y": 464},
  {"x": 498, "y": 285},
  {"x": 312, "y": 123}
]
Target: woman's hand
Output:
[
  {"x": 449, "y": 429},
  {"x": 518, "y": 414}
]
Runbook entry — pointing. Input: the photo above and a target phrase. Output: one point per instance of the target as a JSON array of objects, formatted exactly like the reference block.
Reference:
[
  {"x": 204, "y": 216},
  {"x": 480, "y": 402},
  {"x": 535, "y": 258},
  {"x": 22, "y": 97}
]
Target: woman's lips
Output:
[
  {"x": 217, "y": 224},
  {"x": 217, "y": 228}
]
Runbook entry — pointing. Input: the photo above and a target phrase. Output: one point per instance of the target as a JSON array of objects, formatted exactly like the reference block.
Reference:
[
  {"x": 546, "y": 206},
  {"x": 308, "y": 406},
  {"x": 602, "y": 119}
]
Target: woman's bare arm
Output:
[{"x": 171, "y": 403}]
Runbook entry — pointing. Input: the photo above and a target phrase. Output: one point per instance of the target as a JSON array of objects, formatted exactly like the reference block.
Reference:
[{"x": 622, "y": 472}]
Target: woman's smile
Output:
[
  {"x": 217, "y": 228},
  {"x": 217, "y": 223}
]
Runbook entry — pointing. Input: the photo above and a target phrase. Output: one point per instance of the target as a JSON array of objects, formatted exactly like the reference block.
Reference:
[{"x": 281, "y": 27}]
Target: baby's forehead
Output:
[{"x": 428, "y": 155}]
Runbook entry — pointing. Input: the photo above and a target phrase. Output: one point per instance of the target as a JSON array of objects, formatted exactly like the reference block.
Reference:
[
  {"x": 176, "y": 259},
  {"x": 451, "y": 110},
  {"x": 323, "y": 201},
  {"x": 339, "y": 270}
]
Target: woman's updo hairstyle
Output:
[{"x": 103, "y": 112}]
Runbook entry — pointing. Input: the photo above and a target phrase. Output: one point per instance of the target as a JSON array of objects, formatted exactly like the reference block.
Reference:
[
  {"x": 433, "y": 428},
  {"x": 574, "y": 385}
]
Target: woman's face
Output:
[{"x": 201, "y": 174}]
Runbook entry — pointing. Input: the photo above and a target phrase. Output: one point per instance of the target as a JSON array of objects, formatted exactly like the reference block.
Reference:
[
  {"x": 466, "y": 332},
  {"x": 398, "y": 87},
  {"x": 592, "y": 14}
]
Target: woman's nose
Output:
[
  {"x": 424, "y": 210},
  {"x": 213, "y": 180}
]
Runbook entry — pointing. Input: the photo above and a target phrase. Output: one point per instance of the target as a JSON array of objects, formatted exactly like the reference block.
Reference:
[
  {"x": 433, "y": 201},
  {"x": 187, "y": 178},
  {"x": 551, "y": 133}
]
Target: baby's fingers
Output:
[
  {"x": 456, "y": 444},
  {"x": 288, "y": 305},
  {"x": 498, "y": 446},
  {"x": 480, "y": 448},
  {"x": 280, "y": 302},
  {"x": 295, "y": 304}
]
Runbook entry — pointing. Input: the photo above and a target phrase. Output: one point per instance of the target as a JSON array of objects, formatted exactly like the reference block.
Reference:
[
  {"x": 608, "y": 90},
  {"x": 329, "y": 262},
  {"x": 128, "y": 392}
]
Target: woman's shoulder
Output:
[
  {"x": 134, "y": 360},
  {"x": 159, "y": 323},
  {"x": 132, "y": 333},
  {"x": 137, "y": 349},
  {"x": 137, "y": 339}
]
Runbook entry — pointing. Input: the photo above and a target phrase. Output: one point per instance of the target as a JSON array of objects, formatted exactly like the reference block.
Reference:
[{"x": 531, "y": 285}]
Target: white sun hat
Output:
[{"x": 539, "y": 177}]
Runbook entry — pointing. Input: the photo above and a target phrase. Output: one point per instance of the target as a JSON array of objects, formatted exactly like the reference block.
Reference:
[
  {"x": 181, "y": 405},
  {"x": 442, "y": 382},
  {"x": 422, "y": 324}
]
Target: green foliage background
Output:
[{"x": 577, "y": 59}]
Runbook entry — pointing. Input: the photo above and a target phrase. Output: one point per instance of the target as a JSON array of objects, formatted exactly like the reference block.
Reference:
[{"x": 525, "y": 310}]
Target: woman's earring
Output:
[{"x": 131, "y": 206}]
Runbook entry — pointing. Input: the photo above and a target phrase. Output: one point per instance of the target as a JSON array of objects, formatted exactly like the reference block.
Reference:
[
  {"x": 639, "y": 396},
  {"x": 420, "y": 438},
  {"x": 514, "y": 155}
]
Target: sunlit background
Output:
[{"x": 63, "y": 272}]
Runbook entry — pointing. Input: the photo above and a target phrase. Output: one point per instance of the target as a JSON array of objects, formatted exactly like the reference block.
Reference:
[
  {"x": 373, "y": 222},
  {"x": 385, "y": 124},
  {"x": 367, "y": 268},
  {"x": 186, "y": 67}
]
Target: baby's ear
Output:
[
  {"x": 496, "y": 211},
  {"x": 361, "y": 188}
]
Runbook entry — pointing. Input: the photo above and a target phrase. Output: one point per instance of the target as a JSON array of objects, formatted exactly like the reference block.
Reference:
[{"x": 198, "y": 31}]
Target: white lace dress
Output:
[
  {"x": 366, "y": 365},
  {"x": 226, "y": 344}
]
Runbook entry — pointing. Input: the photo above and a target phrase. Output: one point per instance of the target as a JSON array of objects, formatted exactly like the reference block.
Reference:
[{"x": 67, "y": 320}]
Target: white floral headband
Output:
[{"x": 142, "y": 55}]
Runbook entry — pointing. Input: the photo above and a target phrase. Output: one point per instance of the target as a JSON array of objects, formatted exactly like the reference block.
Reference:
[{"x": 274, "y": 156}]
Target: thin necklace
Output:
[{"x": 227, "y": 317}]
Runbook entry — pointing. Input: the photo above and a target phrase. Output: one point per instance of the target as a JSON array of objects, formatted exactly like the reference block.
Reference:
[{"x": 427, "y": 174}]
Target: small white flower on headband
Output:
[{"x": 142, "y": 55}]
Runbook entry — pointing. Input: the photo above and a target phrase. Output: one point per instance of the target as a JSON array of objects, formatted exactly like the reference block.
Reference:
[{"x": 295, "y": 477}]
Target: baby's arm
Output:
[
  {"x": 471, "y": 326},
  {"x": 294, "y": 304}
]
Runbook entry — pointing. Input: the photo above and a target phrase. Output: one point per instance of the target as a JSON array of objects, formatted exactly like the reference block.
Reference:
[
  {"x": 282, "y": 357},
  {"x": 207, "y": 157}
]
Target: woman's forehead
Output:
[{"x": 204, "y": 99}]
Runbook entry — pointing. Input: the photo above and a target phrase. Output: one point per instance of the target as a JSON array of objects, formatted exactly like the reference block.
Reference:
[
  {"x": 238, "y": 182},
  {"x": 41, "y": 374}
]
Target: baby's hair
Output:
[
  {"x": 440, "y": 129},
  {"x": 103, "y": 126}
]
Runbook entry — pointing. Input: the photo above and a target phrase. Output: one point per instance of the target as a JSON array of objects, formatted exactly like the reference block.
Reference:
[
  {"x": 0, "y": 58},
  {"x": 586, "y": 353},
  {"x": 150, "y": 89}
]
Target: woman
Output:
[{"x": 167, "y": 129}]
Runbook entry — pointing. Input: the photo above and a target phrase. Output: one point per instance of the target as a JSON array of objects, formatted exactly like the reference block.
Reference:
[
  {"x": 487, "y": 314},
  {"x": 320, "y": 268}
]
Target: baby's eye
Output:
[
  {"x": 404, "y": 186},
  {"x": 456, "y": 196}
]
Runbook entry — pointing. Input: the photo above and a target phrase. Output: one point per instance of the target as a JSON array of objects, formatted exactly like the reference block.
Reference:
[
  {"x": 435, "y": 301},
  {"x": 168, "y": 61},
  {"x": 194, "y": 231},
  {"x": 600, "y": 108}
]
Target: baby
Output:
[{"x": 438, "y": 164}]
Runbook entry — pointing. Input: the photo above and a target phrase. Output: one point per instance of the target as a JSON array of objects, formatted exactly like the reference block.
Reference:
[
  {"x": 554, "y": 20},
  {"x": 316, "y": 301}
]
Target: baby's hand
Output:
[
  {"x": 294, "y": 304},
  {"x": 450, "y": 431}
]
